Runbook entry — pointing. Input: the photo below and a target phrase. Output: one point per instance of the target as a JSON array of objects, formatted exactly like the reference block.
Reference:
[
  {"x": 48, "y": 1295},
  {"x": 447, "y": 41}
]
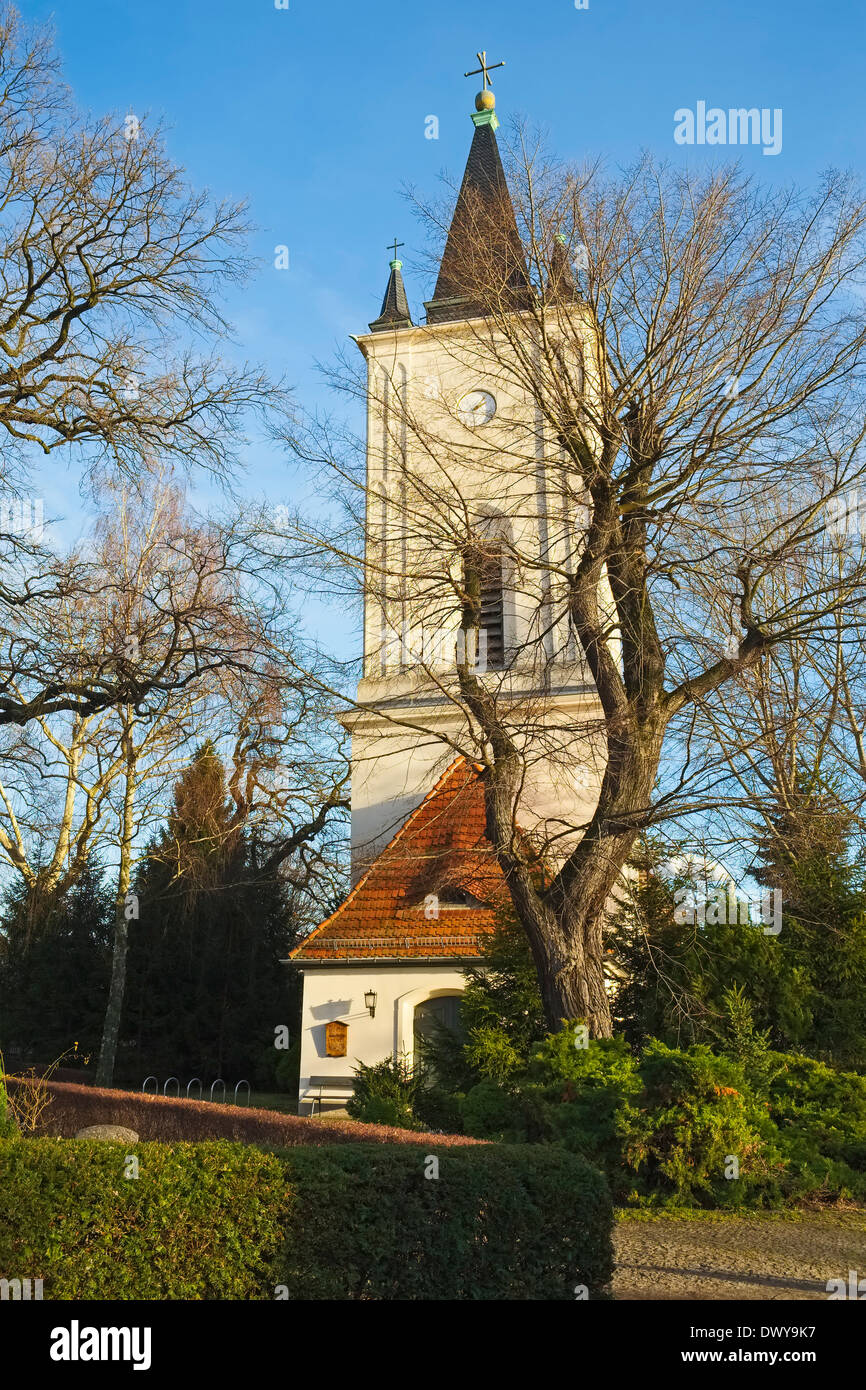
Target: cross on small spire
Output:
[
  {"x": 395, "y": 247},
  {"x": 484, "y": 69}
]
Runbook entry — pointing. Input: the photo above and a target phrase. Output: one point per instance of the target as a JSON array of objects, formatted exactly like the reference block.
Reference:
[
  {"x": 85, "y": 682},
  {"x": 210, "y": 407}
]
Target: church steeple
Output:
[
  {"x": 395, "y": 306},
  {"x": 483, "y": 254}
]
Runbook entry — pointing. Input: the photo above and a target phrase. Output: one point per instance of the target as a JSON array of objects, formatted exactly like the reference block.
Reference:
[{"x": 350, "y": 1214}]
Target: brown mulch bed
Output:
[{"x": 74, "y": 1107}]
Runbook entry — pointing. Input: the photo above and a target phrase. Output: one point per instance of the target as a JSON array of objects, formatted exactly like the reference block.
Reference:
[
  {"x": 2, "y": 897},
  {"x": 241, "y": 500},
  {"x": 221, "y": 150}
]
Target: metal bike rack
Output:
[
  {"x": 168, "y": 1083},
  {"x": 219, "y": 1082},
  {"x": 238, "y": 1087},
  {"x": 155, "y": 1081},
  {"x": 196, "y": 1080}
]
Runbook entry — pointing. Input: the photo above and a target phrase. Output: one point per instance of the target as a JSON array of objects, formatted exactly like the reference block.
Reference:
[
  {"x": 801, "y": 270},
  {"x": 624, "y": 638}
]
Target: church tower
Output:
[
  {"x": 464, "y": 491},
  {"x": 458, "y": 455}
]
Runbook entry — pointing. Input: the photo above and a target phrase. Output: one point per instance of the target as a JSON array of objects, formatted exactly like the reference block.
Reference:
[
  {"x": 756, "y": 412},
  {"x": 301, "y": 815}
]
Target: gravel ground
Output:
[{"x": 753, "y": 1257}]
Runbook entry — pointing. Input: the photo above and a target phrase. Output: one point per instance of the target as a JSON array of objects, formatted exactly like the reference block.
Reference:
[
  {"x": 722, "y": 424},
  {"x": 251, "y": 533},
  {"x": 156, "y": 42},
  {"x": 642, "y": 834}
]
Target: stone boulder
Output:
[{"x": 117, "y": 1134}]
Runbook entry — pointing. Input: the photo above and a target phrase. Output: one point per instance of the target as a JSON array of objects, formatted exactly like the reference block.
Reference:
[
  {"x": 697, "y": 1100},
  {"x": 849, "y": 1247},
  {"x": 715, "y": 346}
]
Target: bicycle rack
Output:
[{"x": 196, "y": 1081}]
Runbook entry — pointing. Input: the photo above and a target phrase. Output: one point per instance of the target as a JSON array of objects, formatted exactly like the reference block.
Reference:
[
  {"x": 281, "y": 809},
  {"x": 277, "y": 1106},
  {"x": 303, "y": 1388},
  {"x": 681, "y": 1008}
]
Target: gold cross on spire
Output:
[{"x": 484, "y": 69}]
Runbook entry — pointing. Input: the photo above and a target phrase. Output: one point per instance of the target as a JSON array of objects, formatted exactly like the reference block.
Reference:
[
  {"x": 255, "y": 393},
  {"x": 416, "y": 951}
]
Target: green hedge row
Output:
[
  {"x": 666, "y": 1126},
  {"x": 217, "y": 1220},
  {"x": 200, "y": 1221}
]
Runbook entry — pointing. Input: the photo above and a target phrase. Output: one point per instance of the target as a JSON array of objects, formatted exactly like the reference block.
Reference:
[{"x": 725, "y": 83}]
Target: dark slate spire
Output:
[
  {"x": 483, "y": 246},
  {"x": 395, "y": 305}
]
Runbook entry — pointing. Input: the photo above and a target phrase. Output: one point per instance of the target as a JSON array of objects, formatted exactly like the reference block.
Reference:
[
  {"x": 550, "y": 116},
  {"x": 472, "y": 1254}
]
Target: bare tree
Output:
[
  {"x": 677, "y": 364},
  {"x": 157, "y": 564},
  {"x": 111, "y": 269},
  {"x": 73, "y": 785}
]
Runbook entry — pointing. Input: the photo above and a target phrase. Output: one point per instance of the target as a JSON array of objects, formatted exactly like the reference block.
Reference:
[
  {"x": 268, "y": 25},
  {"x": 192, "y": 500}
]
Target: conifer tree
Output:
[
  {"x": 54, "y": 964},
  {"x": 206, "y": 988}
]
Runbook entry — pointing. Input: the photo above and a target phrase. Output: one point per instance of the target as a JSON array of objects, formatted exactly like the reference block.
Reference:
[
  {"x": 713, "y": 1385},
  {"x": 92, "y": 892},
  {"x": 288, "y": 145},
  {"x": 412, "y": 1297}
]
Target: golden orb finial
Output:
[{"x": 485, "y": 100}]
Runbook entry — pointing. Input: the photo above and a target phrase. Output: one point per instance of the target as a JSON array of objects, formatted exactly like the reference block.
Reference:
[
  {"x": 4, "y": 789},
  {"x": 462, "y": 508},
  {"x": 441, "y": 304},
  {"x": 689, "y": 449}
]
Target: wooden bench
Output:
[{"x": 328, "y": 1088}]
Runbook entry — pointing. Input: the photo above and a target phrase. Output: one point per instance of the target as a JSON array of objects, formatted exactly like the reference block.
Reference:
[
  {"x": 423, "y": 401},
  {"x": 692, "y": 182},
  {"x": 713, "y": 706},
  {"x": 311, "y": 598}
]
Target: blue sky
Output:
[{"x": 317, "y": 113}]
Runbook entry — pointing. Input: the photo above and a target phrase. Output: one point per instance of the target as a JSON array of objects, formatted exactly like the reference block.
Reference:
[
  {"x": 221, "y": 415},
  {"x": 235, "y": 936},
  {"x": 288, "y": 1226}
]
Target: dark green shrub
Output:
[
  {"x": 821, "y": 1118},
  {"x": 288, "y": 1068},
  {"x": 8, "y": 1127},
  {"x": 826, "y": 1107},
  {"x": 385, "y": 1094},
  {"x": 491, "y": 1054},
  {"x": 498, "y": 1223},
  {"x": 201, "y": 1221},
  {"x": 603, "y": 1063},
  {"x": 439, "y": 1109},
  {"x": 381, "y": 1110},
  {"x": 490, "y": 1112},
  {"x": 697, "y": 1113},
  {"x": 588, "y": 1096}
]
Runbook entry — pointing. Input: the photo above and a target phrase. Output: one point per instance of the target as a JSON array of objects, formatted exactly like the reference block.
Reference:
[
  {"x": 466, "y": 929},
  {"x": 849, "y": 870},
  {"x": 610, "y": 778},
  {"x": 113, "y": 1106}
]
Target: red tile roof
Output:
[{"x": 440, "y": 850}]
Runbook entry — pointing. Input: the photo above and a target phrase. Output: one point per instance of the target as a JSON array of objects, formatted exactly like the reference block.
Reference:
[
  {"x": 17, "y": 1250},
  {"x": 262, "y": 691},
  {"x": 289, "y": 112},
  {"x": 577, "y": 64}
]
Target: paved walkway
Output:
[{"x": 753, "y": 1257}]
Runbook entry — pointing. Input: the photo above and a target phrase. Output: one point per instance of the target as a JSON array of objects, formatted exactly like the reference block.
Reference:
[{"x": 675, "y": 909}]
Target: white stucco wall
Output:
[
  {"x": 508, "y": 472},
  {"x": 337, "y": 992}
]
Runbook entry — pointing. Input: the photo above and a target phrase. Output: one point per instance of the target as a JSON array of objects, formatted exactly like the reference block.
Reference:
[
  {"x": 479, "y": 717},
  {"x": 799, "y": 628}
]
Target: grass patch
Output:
[{"x": 852, "y": 1217}]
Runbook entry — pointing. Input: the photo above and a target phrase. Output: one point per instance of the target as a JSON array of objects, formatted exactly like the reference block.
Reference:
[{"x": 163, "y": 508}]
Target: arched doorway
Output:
[{"x": 433, "y": 1015}]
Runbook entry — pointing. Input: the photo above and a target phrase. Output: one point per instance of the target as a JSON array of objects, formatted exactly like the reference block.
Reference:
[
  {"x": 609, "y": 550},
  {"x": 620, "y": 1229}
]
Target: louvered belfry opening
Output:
[{"x": 482, "y": 566}]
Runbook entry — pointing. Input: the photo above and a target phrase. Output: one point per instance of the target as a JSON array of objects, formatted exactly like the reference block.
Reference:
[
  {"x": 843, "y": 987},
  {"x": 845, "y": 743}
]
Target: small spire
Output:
[{"x": 395, "y": 306}]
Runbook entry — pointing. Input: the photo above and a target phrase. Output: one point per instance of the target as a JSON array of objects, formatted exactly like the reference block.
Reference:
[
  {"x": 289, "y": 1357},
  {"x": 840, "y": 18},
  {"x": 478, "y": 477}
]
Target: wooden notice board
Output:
[{"x": 336, "y": 1039}]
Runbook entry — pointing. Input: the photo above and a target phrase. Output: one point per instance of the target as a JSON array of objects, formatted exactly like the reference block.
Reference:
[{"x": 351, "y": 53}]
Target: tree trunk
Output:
[
  {"x": 111, "y": 1027},
  {"x": 114, "y": 1009},
  {"x": 565, "y": 922},
  {"x": 567, "y": 946}
]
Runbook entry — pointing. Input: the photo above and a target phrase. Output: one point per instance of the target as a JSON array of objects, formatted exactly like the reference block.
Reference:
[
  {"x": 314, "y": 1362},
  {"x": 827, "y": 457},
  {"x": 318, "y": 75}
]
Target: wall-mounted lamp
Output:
[{"x": 370, "y": 1001}]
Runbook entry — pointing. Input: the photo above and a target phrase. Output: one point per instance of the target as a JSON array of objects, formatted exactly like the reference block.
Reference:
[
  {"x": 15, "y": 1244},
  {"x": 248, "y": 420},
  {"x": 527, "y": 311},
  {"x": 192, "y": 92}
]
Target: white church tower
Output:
[{"x": 459, "y": 460}]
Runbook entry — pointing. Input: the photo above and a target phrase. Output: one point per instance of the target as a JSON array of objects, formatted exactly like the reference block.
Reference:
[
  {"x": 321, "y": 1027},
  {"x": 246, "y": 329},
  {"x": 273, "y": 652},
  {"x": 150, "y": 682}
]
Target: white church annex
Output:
[{"x": 426, "y": 880}]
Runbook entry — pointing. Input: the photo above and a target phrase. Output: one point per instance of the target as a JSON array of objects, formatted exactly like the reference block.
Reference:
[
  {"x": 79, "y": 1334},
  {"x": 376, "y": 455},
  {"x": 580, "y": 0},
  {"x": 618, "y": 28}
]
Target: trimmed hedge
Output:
[
  {"x": 353, "y": 1221},
  {"x": 500, "y": 1223},
  {"x": 159, "y": 1117},
  {"x": 202, "y": 1221}
]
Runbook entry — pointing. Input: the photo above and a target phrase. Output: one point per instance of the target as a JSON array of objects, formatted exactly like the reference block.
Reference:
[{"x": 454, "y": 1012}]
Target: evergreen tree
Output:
[
  {"x": 805, "y": 854},
  {"x": 55, "y": 957},
  {"x": 805, "y": 988},
  {"x": 674, "y": 977},
  {"x": 205, "y": 987},
  {"x": 501, "y": 1014}
]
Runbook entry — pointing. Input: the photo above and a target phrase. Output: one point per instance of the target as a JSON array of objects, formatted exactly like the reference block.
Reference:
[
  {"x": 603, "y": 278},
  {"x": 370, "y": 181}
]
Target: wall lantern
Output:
[{"x": 370, "y": 1001}]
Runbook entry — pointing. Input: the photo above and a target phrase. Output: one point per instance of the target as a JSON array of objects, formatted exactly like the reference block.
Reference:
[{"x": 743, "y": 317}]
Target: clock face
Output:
[{"x": 476, "y": 408}]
